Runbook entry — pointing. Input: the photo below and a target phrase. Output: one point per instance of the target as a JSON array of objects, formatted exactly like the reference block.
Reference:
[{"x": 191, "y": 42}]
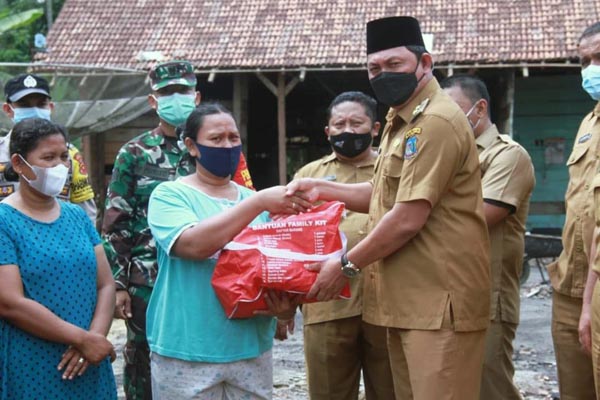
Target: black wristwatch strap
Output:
[{"x": 344, "y": 259}]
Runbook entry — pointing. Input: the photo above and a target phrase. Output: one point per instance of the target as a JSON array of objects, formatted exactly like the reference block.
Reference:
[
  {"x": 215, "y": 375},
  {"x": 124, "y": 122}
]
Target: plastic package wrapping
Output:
[{"x": 274, "y": 256}]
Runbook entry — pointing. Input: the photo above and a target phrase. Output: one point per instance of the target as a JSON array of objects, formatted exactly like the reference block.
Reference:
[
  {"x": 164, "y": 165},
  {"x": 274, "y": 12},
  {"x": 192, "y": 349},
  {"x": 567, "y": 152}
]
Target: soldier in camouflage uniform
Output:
[{"x": 141, "y": 165}]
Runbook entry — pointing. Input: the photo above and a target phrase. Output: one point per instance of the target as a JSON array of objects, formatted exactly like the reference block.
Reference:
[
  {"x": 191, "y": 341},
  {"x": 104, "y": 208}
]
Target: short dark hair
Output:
[
  {"x": 26, "y": 134},
  {"x": 473, "y": 87},
  {"x": 25, "y": 137},
  {"x": 417, "y": 50},
  {"x": 368, "y": 103},
  {"x": 196, "y": 119},
  {"x": 589, "y": 31}
]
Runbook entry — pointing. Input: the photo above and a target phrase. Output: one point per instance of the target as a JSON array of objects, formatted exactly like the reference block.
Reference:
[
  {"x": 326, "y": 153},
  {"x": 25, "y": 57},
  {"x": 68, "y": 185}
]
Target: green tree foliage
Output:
[{"x": 20, "y": 20}]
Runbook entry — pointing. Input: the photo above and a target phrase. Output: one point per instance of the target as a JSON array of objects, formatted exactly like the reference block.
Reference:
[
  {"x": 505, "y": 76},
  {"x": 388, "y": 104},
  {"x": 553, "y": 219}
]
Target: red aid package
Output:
[{"x": 274, "y": 256}]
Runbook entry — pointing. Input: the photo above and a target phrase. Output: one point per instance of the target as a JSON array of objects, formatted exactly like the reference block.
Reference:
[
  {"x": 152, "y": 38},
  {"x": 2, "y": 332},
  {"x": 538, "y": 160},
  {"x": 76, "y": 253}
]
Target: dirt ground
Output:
[{"x": 534, "y": 356}]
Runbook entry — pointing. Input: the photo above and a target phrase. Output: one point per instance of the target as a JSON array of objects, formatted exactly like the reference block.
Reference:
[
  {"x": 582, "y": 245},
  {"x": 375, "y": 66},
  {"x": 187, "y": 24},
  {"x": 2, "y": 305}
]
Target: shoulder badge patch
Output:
[
  {"x": 410, "y": 149},
  {"x": 585, "y": 138},
  {"x": 420, "y": 108},
  {"x": 412, "y": 132}
]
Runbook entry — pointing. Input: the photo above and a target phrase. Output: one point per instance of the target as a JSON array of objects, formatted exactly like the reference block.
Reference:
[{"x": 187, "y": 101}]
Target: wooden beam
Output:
[
  {"x": 291, "y": 85},
  {"x": 272, "y": 88}
]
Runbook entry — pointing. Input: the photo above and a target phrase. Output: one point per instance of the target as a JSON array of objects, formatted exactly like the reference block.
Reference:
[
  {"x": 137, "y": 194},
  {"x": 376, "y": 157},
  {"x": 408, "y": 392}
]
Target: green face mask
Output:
[{"x": 174, "y": 109}]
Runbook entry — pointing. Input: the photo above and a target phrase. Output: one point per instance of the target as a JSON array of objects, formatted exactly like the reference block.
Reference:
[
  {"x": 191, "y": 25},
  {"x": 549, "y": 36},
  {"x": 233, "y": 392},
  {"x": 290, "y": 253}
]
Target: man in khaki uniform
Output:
[
  {"x": 337, "y": 343},
  {"x": 568, "y": 274},
  {"x": 507, "y": 181},
  {"x": 577, "y": 368},
  {"x": 591, "y": 339},
  {"x": 429, "y": 283}
]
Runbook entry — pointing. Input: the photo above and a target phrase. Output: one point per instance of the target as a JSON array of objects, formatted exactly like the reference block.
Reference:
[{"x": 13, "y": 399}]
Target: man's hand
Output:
[
  {"x": 276, "y": 200},
  {"x": 123, "y": 305},
  {"x": 330, "y": 280},
  {"x": 585, "y": 329},
  {"x": 305, "y": 187}
]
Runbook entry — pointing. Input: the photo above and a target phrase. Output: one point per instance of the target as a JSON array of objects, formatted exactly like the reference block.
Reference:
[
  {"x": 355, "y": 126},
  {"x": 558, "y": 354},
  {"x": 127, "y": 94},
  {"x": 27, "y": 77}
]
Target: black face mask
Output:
[
  {"x": 394, "y": 88},
  {"x": 350, "y": 144}
]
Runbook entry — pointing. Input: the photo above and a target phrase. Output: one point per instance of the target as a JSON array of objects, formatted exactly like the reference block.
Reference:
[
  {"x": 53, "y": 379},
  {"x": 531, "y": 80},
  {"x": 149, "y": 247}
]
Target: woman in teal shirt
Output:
[{"x": 196, "y": 350}]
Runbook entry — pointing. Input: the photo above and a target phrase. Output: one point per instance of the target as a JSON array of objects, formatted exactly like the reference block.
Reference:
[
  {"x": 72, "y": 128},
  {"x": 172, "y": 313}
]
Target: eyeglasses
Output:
[{"x": 173, "y": 71}]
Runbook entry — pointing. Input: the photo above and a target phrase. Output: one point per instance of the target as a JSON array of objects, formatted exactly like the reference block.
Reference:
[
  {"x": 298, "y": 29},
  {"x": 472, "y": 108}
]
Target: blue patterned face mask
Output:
[
  {"x": 591, "y": 81},
  {"x": 22, "y": 113},
  {"x": 219, "y": 161}
]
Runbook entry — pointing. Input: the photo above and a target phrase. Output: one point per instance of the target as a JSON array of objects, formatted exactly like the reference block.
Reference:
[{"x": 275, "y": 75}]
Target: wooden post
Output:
[
  {"x": 93, "y": 151},
  {"x": 503, "y": 107},
  {"x": 240, "y": 106},
  {"x": 510, "y": 100},
  {"x": 281, "y": 132},
  {"x": 280, "y": 91}
]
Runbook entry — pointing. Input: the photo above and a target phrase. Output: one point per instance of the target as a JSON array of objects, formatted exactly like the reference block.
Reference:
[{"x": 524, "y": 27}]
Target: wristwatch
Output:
[{"x": 348, "y": 269}]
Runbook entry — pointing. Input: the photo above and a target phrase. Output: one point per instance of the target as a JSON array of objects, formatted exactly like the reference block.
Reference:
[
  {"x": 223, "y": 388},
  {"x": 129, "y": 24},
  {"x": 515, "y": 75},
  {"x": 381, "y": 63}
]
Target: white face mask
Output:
[
  {"x": 468, "y": 114},
  {"x": 48, "y": 181}
]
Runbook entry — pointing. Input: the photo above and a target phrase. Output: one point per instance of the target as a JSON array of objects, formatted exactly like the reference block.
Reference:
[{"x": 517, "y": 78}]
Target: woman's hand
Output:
[
  {"x": 307, "y": 188},
  {"x": 284, "y": 326},
  {"x": 73, "y": 363},
  {"x": 95, "y": 348},
  {"x": 281, "y": 304},
  {"x": 276, "y": 201}
]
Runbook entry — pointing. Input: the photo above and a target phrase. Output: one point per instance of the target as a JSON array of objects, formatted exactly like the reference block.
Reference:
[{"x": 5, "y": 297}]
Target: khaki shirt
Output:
[
  {"x": 568, "y": 274},
  {"x": 507, "y": 176},
  {"x": 428, "y": 153},
  {"x": 596, "y": 188},
  {"x": 354, "y": 226}
]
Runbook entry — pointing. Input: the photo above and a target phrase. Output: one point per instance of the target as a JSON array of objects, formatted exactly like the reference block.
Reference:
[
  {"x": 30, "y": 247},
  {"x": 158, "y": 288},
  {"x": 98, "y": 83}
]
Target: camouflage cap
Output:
[{"x": 172, "y": 73}]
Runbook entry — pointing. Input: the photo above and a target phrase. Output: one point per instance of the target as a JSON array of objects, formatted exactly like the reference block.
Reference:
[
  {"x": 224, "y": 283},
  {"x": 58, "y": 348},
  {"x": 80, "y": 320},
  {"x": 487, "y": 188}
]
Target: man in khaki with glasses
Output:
[{"x": 507, "y": 181}]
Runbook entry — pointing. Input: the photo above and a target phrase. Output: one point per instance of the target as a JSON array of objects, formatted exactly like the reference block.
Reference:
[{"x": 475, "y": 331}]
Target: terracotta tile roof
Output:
[{"x": 252, "y": 34}]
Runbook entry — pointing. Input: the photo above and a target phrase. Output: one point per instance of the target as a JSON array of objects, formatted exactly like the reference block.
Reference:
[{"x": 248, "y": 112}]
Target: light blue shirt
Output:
[{"x": 185, "y": 319}]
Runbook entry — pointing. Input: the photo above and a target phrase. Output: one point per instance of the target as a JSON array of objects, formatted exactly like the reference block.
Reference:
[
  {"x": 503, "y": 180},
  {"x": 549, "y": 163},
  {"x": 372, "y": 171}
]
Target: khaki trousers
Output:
[
  {"x": 436, "y": 365},
  {"x": 574, "y": 366},
  {"x": 336, "y": 351},
  {"x": 596, "y": 337},
  {"x": 498, "y": 369}
]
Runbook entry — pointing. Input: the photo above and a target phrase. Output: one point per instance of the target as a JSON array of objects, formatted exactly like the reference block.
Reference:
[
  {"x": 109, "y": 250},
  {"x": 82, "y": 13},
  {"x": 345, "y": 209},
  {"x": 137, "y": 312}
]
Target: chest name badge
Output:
[
  {"x": 585, "y": 138},
  {"x": 410, "y": 150}
]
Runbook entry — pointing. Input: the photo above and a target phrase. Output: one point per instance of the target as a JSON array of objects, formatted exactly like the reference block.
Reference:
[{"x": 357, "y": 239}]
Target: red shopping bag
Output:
[{"x": 274, "y": 255}]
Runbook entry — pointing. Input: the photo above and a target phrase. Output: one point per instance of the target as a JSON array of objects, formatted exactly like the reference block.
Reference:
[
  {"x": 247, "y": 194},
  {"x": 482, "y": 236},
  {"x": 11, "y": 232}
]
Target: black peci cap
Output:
[{"x": 390, "y": 32}]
